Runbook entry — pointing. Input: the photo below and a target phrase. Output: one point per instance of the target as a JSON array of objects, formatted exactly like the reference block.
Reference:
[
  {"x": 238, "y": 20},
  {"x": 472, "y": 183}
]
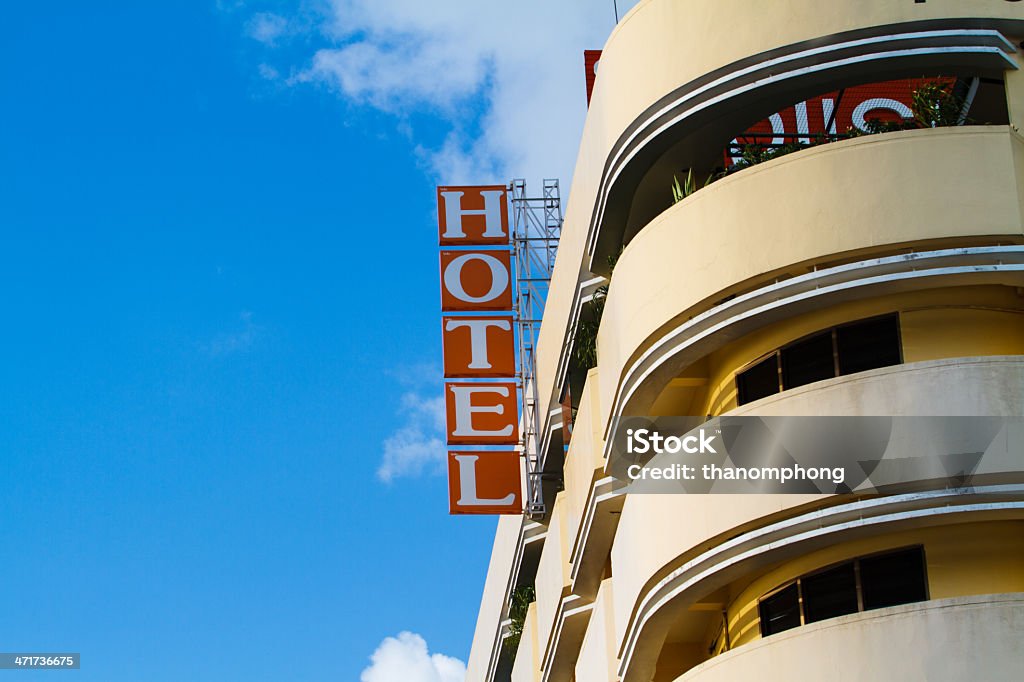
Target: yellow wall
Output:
[
  {"x": 583, "y": 461},
  {"x": 552, "y": 571},
  {"x": 596, "y": 662},
  {"x": 952, "y": 332}
]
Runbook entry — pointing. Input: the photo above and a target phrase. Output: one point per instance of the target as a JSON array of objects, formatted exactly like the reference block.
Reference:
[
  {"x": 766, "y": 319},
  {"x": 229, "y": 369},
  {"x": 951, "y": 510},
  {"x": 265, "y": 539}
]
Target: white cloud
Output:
[
  {"x": 406, "y": 659},
  {"x": 417, "y": 445},
  {"x": 266, "y": 27},
  {"x": 268, "y": 72},
  {"x": 506, "y": 81},
  {"x": 394, "y": 75}
]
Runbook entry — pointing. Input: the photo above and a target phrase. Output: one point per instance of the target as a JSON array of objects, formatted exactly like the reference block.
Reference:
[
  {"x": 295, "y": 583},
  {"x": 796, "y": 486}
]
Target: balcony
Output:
[
  {"x": 938, "y": 187},
  {"x": 671, "y": 93},
  {"x": 964, "y": 638},
  {"x": 663, "y": 568}
]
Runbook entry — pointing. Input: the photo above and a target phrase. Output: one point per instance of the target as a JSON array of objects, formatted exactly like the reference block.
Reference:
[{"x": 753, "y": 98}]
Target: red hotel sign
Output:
[
  {"x": 834, "y": 113},
  {"x": 476, "y": 346},
  {"x": 472, "y": 216},
  {"x": 476, "y": 280},
  {"x": 484, "y": 482},
  {"x": 479, "y": 349}
]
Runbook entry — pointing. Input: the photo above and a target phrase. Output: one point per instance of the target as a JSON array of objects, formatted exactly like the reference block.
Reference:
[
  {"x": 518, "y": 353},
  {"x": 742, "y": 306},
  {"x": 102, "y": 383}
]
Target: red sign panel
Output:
[
  {"x": 832, "y": 113},
  {"x": 590, "y": 60},
  {"x": 472, "y": 216},
  {"x": 478, "y": 346},
  {"x": 476, "y": 280},
  {"x": 485, "y": 482},
  {"x": 482, "y": 413}
]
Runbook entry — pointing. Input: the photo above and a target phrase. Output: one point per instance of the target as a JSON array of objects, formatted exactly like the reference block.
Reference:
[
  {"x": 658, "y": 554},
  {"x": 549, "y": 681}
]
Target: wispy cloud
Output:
[
  {"x": 506, "y": 82},
  {"x": 268, "y": 72},
  {"x": 405, "y": 658},
  {"x": 235, "y": 341},
  {"x": 266, "y": 27},
  {"x": 417, "y": 446}
]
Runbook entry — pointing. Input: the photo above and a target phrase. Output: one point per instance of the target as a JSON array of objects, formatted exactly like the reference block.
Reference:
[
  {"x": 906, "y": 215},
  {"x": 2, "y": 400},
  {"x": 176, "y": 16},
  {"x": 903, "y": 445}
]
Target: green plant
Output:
[
  {"x": 753, "y": 154},
  {"x": 677, "y": 191},
  {"x": 517, "y": 608},
  {"x": 932, "y": 105},
  {"x": 689, "y": 186},
  {"x": 584, "y": 347},
  {"x": 935, "y": 106}
]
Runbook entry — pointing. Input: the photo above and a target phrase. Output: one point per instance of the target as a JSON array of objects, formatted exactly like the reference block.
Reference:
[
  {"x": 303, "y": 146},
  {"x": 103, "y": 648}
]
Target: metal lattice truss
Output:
[{"x": 536, "y": 229}]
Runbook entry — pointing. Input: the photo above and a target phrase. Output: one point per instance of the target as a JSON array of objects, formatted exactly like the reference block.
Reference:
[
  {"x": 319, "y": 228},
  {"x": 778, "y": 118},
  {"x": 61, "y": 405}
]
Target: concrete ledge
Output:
[{"x": 964, "y": 638}]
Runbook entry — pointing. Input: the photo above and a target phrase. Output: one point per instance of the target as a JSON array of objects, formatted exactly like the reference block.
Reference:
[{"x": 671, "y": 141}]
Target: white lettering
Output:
[
  {"x": 642, "y": 441},
  {"x": 491, "y": 211},
  {"x": 478, "y": 338},
  {"x": 869, "y": 105},
  {"x": 465, "y": 409},
  {"x": 467, "y": 485},
  {"x": 453, "y": 277}
]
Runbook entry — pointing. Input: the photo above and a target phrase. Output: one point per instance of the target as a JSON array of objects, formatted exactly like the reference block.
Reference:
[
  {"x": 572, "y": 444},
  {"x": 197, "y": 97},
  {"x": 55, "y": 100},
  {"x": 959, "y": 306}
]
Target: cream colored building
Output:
[{"x": 922, "y": 230}]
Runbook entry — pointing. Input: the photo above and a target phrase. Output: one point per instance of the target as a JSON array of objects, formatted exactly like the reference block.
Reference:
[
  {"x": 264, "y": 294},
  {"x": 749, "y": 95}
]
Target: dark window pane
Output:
[
  {"x": 807, "y": 361},
  {"x": 759, "y": 381},
  {"x": 892, "y": 579},
  {"x": 830, "y": 593},
  {"x": 868, "y": 345},
  {"x": 781, "y": 611}
]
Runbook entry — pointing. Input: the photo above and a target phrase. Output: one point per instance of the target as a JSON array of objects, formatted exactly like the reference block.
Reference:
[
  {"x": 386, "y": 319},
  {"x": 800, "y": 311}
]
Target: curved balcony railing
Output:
[{"x": 964, "y": 638}]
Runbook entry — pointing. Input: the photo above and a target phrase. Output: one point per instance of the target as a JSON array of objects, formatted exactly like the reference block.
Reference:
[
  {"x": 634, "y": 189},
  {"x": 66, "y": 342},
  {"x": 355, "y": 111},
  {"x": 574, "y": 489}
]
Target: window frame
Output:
[
  {"x": 777, "y": 353},
  {"x": 836, "y": 368},
  {"x": 798, "y": 581},
  {"x": 873, "y": 318}
]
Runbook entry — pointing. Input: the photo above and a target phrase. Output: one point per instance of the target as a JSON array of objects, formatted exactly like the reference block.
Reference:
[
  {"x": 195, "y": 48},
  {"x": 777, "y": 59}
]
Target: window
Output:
[
  {"x": 781, "y": 611},
  {"x": 847, "y": 349},
  {"x": 868, "y": 345},
  {"x": 808, "y": 361},
  {"x": 863, "y": 584},
  {"x": 759, "y": 381},
  {"x": 893, "y": 579},
  {"x": 830, "y": 593}
]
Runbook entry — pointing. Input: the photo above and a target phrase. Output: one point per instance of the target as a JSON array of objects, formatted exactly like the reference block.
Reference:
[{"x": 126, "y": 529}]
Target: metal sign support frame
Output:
[{"x": 536, "y": 230}]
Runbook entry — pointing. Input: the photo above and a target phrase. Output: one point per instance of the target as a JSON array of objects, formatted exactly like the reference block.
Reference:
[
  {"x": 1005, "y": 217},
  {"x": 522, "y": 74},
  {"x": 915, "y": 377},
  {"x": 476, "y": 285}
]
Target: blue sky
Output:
[{"x": 221, "y": 318}]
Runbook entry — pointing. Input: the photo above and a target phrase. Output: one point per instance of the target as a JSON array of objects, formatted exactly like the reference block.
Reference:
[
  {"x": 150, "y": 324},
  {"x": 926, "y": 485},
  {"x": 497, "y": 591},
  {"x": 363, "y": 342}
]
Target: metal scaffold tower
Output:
[{"x": 536, "y": 229}]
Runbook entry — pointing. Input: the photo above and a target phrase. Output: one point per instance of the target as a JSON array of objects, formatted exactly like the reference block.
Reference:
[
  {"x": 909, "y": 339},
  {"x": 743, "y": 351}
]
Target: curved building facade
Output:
[{"x": 869, "y": 271}]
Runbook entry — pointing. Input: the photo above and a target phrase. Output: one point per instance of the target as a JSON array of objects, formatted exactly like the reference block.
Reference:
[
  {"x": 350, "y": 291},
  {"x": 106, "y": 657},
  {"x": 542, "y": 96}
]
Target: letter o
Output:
[
  {"x": 867, "y": 106},
  {"x": 453, "y": 278}
]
